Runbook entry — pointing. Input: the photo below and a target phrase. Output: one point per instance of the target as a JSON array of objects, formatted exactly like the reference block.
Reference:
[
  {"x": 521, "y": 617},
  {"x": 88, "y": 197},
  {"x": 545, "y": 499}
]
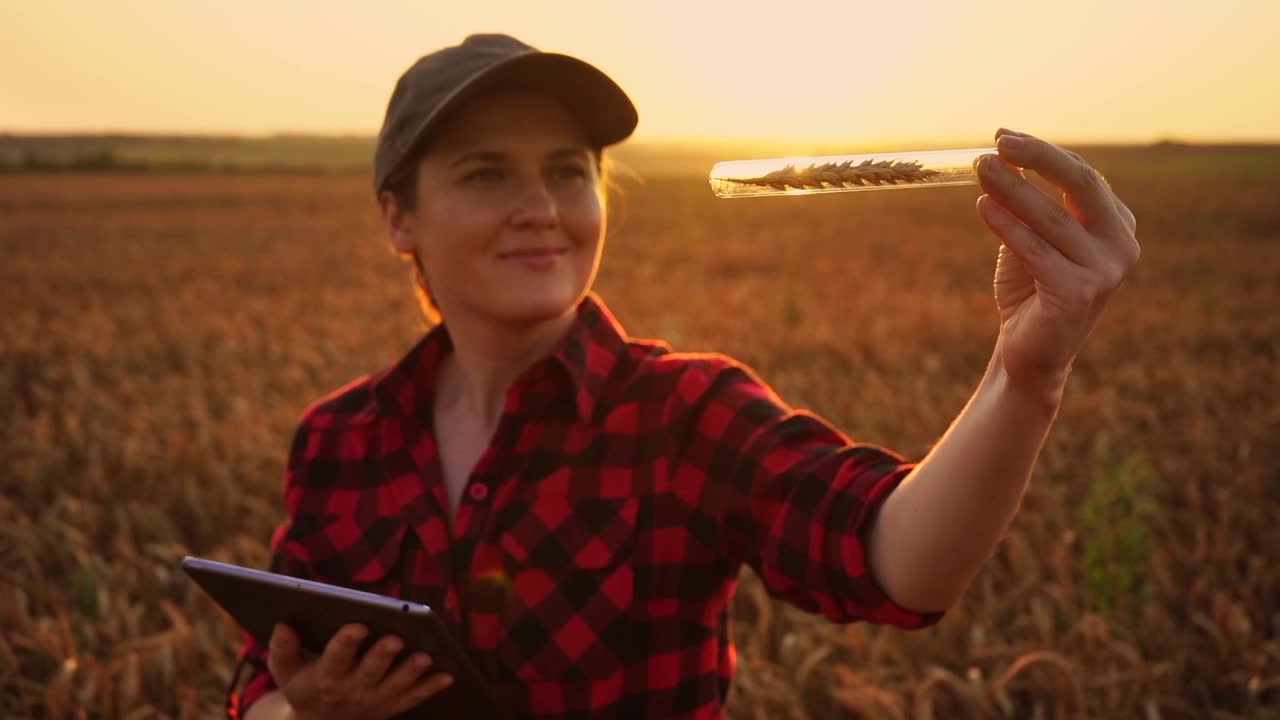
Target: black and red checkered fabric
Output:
[{"x": 592, "y": 559}]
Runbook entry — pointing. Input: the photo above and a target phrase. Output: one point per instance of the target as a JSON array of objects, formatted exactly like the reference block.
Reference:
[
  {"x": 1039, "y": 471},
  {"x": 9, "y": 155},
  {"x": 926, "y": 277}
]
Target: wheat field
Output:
[{"x": 162, "y": 332}]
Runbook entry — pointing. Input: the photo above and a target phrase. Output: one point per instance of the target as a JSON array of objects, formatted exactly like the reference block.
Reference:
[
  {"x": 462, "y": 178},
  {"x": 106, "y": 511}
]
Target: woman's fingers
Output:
[
  {"x": 334, "y": 665},
  {"x": 423, "y": 690},
  {"x": 283, "y": 654},
  {"x": 1007, "y": 131},
  {"x": 1046, "y": 216},
  {"x": 1130, "y": 222},
  {"x": 1086, "y": 188},
  {"x": 1041, "y": 258},
  {"x": 373, "y": 666},
  {"x": 1126, "y": 215},
  {"x": 404, "y": 675}
]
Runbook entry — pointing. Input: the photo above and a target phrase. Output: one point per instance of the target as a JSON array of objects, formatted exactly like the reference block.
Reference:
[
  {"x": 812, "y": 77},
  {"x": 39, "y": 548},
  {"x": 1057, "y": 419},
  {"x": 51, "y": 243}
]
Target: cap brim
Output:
[{"x": 603, "y": 108}]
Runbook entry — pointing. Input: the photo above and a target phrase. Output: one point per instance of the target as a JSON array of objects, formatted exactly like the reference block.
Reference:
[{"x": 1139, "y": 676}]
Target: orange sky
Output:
[{"x": 822, "y": 72}]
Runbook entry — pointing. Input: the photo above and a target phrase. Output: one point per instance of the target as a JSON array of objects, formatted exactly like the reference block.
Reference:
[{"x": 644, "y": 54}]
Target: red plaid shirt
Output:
[{"x": 592, "y": 559}]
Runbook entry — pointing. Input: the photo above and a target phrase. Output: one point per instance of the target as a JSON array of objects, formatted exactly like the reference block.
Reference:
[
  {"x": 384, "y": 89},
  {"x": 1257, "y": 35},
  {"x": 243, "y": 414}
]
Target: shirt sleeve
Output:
[
  {"x": 794, "y": 496},
  {"x": 252, "y": 657}
]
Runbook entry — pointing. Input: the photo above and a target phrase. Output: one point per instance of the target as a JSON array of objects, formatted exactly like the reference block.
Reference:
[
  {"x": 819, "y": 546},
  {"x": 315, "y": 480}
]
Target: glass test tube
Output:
[{"x": 845, "y": 173}]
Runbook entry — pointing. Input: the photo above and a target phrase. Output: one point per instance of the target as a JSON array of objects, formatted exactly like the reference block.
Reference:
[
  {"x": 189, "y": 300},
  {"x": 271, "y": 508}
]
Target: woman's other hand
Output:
[
  {"x": 1059, "y": 262},
  {"x": 338, "y": 685}
]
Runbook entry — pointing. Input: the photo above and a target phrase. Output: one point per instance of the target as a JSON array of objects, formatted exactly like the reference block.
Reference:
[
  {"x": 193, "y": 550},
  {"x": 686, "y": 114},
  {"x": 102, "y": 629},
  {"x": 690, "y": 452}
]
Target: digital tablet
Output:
[{"x": 258, "y": 600}]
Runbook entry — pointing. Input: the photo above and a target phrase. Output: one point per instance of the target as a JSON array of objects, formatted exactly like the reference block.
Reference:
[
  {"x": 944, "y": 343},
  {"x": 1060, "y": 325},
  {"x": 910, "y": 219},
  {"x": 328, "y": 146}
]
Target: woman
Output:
[{"x": 577, "y": 504}]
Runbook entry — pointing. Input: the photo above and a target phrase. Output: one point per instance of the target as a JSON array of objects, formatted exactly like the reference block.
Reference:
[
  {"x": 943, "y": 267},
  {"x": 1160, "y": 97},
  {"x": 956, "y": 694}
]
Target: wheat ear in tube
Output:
[{"x": 845, "y": 173}]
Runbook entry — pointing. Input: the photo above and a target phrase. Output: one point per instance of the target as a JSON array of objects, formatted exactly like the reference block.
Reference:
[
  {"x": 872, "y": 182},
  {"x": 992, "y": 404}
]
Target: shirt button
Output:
[{"x": 479, "y": 491}]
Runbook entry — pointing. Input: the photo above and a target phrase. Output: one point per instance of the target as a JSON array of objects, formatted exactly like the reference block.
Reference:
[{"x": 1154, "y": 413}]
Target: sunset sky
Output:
[{"x": 844, "y": 71}]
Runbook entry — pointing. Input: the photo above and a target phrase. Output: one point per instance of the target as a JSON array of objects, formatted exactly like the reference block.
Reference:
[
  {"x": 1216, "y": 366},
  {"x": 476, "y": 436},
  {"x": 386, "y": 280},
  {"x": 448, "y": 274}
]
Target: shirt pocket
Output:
[{"x": 566, "y": 613}]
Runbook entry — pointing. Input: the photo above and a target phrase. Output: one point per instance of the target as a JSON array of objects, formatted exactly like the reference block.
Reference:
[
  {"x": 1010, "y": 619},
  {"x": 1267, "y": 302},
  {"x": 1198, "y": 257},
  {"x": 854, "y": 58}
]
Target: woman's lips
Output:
[{"x": 535, "y": 257}]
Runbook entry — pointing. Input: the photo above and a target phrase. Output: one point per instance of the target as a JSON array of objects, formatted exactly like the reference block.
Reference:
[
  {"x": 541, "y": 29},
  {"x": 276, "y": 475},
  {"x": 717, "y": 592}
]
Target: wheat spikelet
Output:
[{"x": 845, "y": 174}]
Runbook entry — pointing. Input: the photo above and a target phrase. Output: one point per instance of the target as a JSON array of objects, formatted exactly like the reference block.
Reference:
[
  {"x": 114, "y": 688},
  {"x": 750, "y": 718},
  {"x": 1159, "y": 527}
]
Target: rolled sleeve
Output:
[
  {"x": 252, "y": 657},
  {"x": 796, "y": 498}
]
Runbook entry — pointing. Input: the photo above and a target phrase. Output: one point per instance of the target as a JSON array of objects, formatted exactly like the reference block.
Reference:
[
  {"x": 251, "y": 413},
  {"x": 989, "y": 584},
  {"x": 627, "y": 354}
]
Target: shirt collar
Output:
[{"x": 587, "y": 355}]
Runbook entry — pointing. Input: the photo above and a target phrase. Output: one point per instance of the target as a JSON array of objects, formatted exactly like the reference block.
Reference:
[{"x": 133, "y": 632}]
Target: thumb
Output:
[
  {"x": 1013, "y": 283},
  {"x": 282, "y": 654}
]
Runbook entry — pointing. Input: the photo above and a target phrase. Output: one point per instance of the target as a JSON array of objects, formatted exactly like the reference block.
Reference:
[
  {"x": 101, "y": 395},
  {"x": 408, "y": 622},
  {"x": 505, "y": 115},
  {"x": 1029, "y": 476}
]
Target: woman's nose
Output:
[{"x": 535, "y": 205}]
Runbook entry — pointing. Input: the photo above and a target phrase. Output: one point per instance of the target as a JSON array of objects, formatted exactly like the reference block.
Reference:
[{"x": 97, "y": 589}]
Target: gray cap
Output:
[{"x": 444, "y": 79}]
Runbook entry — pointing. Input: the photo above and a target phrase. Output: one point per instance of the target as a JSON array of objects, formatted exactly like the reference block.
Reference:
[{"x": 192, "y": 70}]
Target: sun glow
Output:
[{"x": 843, "y": 74}]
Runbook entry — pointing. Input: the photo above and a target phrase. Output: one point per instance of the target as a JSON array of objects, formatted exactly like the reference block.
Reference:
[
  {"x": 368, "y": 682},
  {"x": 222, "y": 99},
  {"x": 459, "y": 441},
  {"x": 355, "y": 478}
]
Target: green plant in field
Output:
[
  {"x": 86, "y": 592},
  {"x": 1113, "y": 522},
  {"x": 792, "y": 316}
]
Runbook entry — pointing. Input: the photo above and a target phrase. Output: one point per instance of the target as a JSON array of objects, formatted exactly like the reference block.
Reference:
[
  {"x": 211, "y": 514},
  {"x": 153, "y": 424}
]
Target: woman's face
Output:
[{"x": 509, "y": 223}]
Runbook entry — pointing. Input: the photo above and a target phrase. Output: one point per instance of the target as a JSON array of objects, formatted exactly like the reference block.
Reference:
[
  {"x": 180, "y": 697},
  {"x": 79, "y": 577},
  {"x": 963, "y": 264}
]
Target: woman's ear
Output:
[{"x": 399, "y": 223}]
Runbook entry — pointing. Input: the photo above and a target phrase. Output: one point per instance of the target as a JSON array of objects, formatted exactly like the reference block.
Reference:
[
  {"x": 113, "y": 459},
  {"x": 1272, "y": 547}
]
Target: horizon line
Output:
[{"x": 680, "y": 141}]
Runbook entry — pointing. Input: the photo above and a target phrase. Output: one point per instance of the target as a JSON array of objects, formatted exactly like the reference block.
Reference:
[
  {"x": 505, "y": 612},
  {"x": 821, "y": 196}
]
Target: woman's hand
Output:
[
  {"x": 1059, "y": 263},
  {"x": 340, "y": 685}
]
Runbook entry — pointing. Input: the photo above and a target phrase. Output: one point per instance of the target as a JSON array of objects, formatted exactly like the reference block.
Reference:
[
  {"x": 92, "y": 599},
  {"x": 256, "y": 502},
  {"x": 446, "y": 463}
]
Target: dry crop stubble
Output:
[{"x": 162, "y": 333}]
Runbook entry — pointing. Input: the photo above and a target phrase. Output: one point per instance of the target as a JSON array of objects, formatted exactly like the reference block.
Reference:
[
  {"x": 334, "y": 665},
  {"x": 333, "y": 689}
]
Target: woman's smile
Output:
[{"x": 537, "y": 258}]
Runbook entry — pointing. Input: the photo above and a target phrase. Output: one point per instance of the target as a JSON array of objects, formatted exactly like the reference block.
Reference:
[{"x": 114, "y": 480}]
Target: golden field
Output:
[{"x": 162, "y": 333}]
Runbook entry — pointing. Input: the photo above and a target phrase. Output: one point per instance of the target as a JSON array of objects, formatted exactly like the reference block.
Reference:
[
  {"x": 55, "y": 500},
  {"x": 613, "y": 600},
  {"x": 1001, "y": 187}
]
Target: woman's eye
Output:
[
  {"x": 483, "y": 175},
  {"x": 491, "y": 175},
  {"x": 571, "y": 172}
]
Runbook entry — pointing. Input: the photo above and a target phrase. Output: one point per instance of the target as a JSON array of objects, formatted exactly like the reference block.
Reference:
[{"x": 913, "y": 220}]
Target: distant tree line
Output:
[
  {"x": 97, "y": 159},
  {"x": 109, "y": 160}
]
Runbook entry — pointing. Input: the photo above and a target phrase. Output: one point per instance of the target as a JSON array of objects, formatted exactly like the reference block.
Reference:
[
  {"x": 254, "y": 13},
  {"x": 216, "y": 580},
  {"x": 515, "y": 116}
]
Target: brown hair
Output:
[{"x": 402, "y": 183}]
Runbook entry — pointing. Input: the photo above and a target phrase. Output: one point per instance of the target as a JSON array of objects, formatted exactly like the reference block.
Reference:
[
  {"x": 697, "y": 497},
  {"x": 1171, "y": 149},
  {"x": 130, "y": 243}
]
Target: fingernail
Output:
[
  {"x": 447, "y": 680},
  {"x": 989, "y": 206},
  {"x": 1009, "y": 142}
]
